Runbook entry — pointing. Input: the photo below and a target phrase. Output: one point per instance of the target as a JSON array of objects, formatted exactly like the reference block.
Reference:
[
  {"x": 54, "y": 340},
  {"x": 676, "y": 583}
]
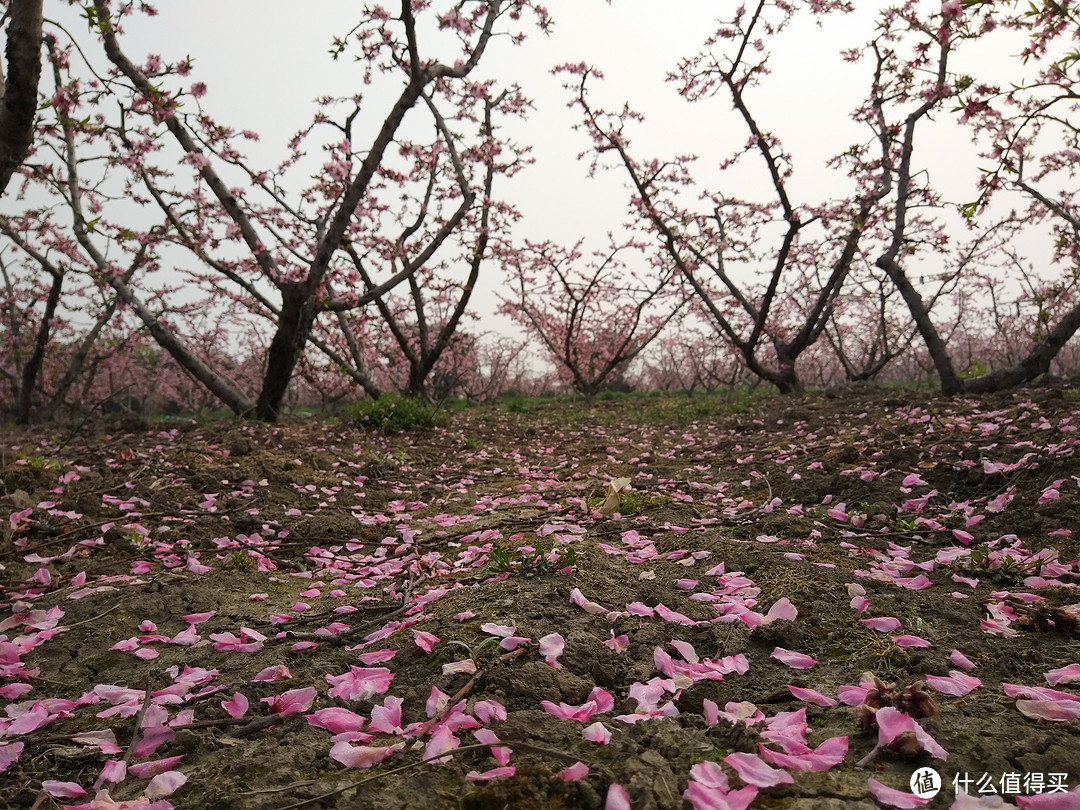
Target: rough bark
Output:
[
  {"x": 951, "y": 383},
  {"x": 33, "y": 364},
  {"x": 19, "y": 103}
]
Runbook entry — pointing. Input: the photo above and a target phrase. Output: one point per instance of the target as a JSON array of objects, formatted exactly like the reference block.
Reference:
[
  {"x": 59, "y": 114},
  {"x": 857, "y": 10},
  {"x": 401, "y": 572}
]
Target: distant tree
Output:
[{"x": 592, "y": 315}]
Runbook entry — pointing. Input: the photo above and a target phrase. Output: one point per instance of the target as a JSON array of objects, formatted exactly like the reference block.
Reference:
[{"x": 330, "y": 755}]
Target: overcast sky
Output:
[{"x": 265, "y": 62}]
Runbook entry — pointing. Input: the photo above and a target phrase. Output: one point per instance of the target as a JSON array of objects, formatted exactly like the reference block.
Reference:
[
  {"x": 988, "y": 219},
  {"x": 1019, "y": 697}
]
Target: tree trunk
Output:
[
  {"x": 33, "y": 365},
  {"x": 75, "y": 367},
  {"x": 1035, "y": 364},
  {"x": 293, "y": 327},
  {"x": 951, "y": 383},
  {"x": 19, "y": 103},
  {"x": 223, "y": 389}
]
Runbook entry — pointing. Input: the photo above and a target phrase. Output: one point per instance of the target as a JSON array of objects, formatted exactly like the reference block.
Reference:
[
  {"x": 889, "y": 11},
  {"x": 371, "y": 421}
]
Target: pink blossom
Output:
[
  {"x": 513, "y": 642},
  {"x": 617, "y": 644},
  {"x": 910, "y": 641},
  {"x": 891, "y": 797},
  {"x": 617, "y": 798},
  {"x": 883, "y": 624},
  {"x": 292, "y": 702},
  {"x": 961, "y": 660},
  {"x": 165, "y": 784},
  {"x": 361, "y": 756},
  {"x": 597, "y": 733},
  {"x": 276, "y": 673},
  {"x": 360, "y": 683},
  {"x": 500, "y": 752},
  {"x": 9, "y": 753},
  {"x": 957, "y": 684},
  {"x": 752, "y": 770},
  {"x": 148, "y": 770},
  {"x": 425, "y": 641},
  {"x": 441, "y": 741},
  {"x": 386, "y": 719},
  {"x": 708, "y": 790},
  {"x": 800, "y": 757},
  {"x": 488, "y": 710},
  {"x": 466, "y": 666},
  {"x": 579, "y": 770},
  {"x": 551, "y": 647},
  {"x": 336, "y": 720},
  {"x": 1050, "y": 801},
  {"x": 811, "y": 695},
  {"x": 892, "y": 722},
  {"x": 600, "y": 701},
  {"x": 236, "y": 706},
  {"x": 952, "y": 9},
  {"x": 62, "y": 790},
  {"x": 1056, "y": 711},
  {"x": 795, "y": 660},
  {"x": 495, "y": 773},
  {"x": 1066, "y": 674}
]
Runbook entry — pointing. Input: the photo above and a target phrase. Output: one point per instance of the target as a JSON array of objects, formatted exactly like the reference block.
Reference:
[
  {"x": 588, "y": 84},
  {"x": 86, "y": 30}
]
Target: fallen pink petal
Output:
[
  {"x": 795, "y": 660},
  {"x": 884, "y": 624},
  {"x": 753, "y": 771},
  {"x": 1050, "y": 801},
  {"x": 910, "y": 641},
  {"x": 165, "y": 784},
  {"x": 361, "y": 756},
  {"x": 579, "y": 770},
  {"x": 1056, "y": 711},
  {"x": 1066, "y": 674},
  {"x": 617, "y": 798},
  {"x": 811, "y": 695},
  {"x": 495, "y": 773},
  {"x": 891, "y": 797},
  {"x": 62, "y": 790},
  {"x": 957, "y": 684}
]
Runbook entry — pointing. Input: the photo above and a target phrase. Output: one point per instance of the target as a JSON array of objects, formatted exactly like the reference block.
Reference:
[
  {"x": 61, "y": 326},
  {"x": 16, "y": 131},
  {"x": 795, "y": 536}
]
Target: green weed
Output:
[
  {"x": 534, "y": 563},
  {"x": 393, "y": 414}
]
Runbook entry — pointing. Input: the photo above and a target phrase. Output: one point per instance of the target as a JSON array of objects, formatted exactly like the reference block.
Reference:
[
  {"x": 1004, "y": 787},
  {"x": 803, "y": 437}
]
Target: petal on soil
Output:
[
  {"x": 891, "y": 797},
  {"x": 1050, "y": 801},
  {"x": 63, "y": 790},
  {"x": 1069, "y": 674},
  {"x": 1056, "y": 711},
  {"x": 795, "y": 660},
  {"x": 579, "y": 770},
  {"x": 165, "y": 784},
  {"x": 753, "y": 771},
  {"x": 617, "y": 798},
  {"x": 361, "y": 756},
  {"x": 883, "y": 624},
  {"x": 811, "y": 695},
  {"x": 495, "y": 773}
]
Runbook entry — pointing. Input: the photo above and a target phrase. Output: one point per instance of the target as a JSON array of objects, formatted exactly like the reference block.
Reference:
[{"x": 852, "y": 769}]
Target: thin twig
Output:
[
  {"x": 95, "y": 618},
  {"x": 139, "y": 718}
]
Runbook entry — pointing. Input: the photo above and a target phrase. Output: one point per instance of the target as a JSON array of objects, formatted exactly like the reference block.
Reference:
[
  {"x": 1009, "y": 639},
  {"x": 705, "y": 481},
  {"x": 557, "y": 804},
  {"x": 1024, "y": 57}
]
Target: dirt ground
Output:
[{"x": 297, "y": 615}]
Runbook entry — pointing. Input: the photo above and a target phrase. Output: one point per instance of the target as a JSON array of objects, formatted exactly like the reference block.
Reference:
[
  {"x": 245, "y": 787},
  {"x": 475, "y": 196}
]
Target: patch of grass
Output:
[
  {"x": 1002, "y": 569},
  {"x": 393, "y": 414},
  {"x": 534, "y": 563},
  {"x": 631, "y": 502},
  {"x": 40, "y": 462}
]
